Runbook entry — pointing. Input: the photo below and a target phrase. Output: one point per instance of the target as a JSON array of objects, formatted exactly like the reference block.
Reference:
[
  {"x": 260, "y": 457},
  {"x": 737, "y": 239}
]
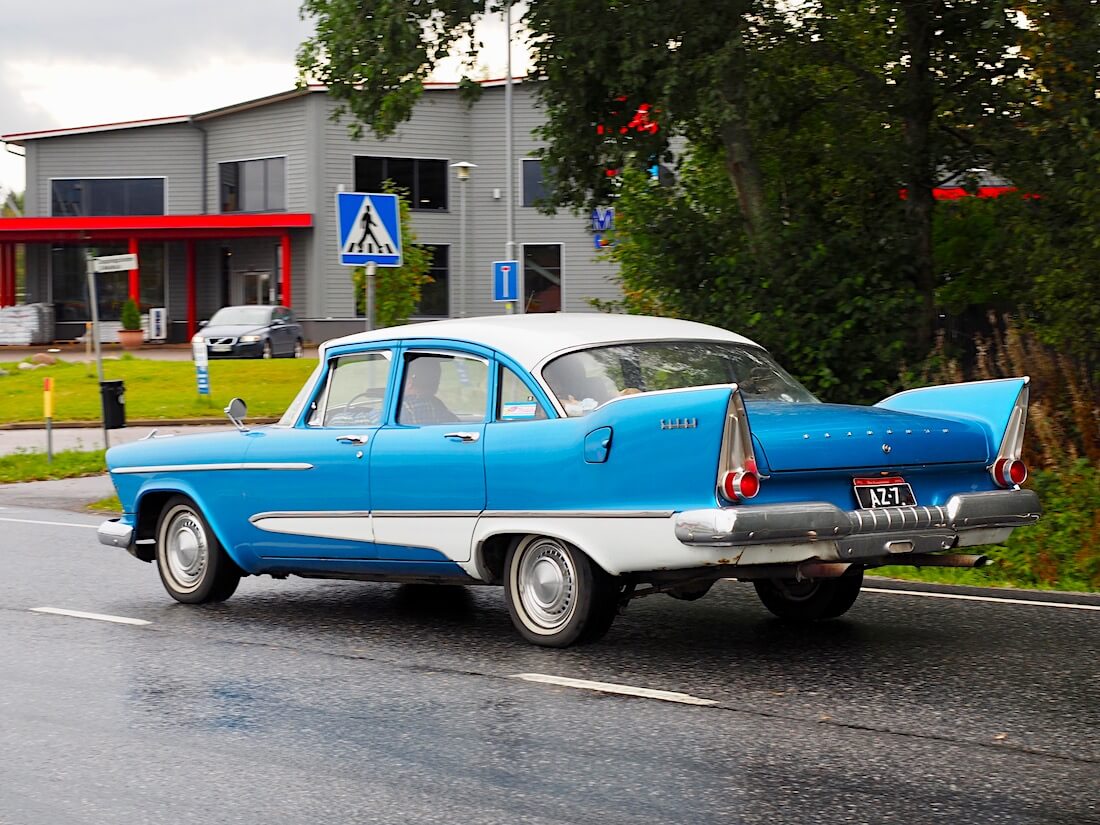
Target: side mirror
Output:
[
  {"x": 236, "y": 411},
  {"x": 203, "y": 323}
]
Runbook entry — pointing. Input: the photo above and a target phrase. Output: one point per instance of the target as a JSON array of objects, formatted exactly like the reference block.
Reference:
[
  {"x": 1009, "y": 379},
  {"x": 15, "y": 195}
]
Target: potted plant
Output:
[{"x": 130, "y": 336}]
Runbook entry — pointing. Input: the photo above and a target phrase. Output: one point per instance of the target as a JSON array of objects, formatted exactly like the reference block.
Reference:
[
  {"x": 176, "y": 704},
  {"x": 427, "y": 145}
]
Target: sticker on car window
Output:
[{"x": 518, "y": 410}]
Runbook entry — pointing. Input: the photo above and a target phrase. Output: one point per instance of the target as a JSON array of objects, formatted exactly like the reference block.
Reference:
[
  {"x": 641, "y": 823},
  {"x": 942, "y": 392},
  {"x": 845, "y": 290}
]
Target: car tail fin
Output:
[
  {"x": 738, "y": 471},
  {"x": 1000, "y": 406}
]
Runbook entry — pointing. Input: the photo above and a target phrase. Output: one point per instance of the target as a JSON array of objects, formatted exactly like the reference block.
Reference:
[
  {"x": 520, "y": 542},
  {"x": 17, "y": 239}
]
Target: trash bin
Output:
[{"x": 113, "y": 394}]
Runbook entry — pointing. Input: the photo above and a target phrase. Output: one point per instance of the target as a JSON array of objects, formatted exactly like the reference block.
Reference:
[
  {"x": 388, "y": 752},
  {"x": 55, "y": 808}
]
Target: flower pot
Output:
[{"x": 131, "y": 338}]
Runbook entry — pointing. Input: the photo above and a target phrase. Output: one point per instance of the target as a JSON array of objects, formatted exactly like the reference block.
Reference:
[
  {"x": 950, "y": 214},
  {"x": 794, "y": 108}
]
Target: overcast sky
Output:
[{"x": 66, "y": 63}]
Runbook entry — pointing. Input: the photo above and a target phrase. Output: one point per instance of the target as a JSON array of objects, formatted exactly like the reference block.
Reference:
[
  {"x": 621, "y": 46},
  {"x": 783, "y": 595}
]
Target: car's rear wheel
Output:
[
  {"x": 811, "y": 599},
  {"x": 556, "y": 595},
  {"x": 193, "y": 565}
]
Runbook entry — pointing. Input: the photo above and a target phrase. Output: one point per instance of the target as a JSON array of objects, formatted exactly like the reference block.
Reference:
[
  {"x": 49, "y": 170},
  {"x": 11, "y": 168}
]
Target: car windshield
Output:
[
  {"x": 241, "y": 316},
  {"x": 584, "y": 380}
]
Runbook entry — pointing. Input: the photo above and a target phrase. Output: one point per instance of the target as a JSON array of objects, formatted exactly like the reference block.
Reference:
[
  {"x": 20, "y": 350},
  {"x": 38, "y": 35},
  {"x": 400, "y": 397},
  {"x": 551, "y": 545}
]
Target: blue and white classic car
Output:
[{"x": 581, "y": 461}]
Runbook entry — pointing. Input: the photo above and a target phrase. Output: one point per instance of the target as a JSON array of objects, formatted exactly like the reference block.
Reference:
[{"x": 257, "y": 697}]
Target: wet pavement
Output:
[{"x": 314, "y": 701}]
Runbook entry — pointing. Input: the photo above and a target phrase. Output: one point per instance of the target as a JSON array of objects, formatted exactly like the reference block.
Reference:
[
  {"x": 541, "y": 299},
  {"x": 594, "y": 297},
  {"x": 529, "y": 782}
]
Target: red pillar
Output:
[
  {"x": 285, "y": 249},
  {"x": 135, "y": 279},
  {"x": 7, "y": 274},
  {"x": 3, "y": 274},
  {"x": 192, "y": 314}
]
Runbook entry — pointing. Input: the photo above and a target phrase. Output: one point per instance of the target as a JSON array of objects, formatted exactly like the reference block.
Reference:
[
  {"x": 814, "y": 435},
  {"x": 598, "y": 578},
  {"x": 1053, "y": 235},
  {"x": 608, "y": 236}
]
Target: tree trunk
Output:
[
  {"x": 918, "y": 112},
  {"x": 741, "y": 164}
]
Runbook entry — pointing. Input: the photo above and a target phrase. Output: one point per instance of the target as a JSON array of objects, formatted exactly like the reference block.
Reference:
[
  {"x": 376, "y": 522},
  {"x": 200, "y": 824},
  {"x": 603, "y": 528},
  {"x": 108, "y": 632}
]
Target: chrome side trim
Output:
[
  {"x": 310, "y": 514},
  {"x": 114, "y": 533},
  {"x": 425, "y": 513},
  {"x": 821, "y": 521},
  {"x": 191, "y": 468},
  {"x": 578, "y": 514}
]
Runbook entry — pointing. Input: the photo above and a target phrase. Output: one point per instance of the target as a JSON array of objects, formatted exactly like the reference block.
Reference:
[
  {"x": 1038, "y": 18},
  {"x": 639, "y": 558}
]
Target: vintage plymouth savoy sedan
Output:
[{"x": 580, "y": 461}]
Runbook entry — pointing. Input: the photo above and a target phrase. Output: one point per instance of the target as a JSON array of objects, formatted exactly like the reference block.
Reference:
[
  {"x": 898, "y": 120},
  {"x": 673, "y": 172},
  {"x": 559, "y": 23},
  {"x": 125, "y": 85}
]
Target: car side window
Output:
[
  {"x": 515, "y": 401},
  {"x": 355, "y": 393},
  {"x": 443, "y": 388}
]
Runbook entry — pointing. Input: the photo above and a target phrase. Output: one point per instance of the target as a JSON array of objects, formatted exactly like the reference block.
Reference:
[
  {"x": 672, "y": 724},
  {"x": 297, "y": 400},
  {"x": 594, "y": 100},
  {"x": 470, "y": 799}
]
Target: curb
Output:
[{"x": 137, "y": 422}]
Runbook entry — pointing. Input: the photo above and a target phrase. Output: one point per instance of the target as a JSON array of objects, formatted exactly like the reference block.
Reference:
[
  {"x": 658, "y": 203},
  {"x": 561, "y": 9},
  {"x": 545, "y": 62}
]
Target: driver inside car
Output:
[{"x": 419, "y": 403}]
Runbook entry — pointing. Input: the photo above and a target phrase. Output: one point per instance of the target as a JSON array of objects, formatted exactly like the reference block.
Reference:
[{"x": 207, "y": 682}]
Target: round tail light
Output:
[
  {"x": 1008, "y": 472},
  {"x": 740, "y": 485}
]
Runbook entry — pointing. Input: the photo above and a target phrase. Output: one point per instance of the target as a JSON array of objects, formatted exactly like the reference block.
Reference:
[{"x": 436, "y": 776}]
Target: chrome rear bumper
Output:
[{"x": 863, "y": 533}]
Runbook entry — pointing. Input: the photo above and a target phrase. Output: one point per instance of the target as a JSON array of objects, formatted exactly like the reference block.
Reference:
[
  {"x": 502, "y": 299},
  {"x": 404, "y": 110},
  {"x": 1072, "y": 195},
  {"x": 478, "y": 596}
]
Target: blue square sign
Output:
[
  {"x": 370, "y": 228},
  {"x": 505, "y": 280}
]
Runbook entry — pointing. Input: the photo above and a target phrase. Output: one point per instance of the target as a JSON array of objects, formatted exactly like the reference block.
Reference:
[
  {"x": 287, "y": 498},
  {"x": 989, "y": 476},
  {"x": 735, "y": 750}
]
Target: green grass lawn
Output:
[
  {"x": 32, "y": 466},
  {"x": 154, "y": 389}
]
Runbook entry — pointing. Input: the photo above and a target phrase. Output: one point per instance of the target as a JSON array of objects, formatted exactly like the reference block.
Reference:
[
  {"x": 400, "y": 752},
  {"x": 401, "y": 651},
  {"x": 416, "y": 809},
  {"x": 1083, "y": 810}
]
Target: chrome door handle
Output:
[
  {"x": 352, "y": 439},
  {"x": 467, "y": 437}
]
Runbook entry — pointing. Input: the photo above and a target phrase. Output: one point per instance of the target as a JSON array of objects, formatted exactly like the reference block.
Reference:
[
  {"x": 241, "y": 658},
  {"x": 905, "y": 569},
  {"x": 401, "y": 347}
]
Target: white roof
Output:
[{"x": 531, "y": 339}]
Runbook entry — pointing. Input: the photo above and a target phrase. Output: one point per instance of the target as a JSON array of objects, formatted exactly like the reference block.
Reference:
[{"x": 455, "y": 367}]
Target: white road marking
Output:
[
  {"x": 966, "y": 598},
  {"x": 78, "y": 614},
  {"x": 609, "y": 687},
  {"x": 50, "y": 523}
]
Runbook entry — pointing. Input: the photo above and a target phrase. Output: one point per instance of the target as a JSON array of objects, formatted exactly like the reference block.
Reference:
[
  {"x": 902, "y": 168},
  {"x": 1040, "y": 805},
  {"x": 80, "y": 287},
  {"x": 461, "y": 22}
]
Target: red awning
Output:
[{"x": 150, "y": 227}]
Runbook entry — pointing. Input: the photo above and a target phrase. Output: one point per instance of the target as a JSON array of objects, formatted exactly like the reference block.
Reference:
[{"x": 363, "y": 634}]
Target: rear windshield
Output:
[{"x": 584, "y": 380}]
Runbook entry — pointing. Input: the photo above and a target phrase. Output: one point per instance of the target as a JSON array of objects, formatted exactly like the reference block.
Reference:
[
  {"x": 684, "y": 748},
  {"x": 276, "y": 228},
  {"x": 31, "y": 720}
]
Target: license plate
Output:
[
  {"x": 883, "y": 492},
  {"x": 221, "y": 347}
]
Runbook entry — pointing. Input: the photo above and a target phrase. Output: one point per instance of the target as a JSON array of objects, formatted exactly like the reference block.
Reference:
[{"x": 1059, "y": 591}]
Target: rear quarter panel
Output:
[{"x": 541, "y": 466}]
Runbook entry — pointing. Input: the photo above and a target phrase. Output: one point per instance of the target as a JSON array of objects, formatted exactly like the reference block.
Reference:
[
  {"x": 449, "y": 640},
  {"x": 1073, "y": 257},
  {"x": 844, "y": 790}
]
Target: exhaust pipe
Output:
[{"x": 943, "y": 560}]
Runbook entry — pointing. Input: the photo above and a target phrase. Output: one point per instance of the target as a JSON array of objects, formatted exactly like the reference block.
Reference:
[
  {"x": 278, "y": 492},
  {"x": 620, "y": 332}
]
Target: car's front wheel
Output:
[
  {"x": 299, "y": 350},
  {"x": 556, "y": 595},
  {"x": 266, "y": 351},
  {"x": 193, "y": 566},
  {"x": 811, "y": 599}
]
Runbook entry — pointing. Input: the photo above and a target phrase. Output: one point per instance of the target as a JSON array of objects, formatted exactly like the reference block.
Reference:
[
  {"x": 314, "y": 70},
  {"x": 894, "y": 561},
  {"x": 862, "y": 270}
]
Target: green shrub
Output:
[{"x": 130, "y": 315}]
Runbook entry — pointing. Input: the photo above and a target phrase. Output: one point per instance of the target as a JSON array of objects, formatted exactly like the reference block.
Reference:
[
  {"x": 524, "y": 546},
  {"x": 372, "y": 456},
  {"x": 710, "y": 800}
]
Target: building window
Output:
[
  {"x": 69, "y": 282},
  {"x": 435, "y": 299},
  {"x": 424, "y": 180},
  {"x": 542, "y": 277},
  {"x": 253, "y": 185},
  {"x": 536, "y": 186},
  {"x": 83, "y": 197}
]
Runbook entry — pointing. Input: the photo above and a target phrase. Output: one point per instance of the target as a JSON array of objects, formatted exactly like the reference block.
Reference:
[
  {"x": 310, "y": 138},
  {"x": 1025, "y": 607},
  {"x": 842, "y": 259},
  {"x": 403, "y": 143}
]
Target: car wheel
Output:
[
  {"x": 556, "y": 595},
  {"x": 267, "y": 353},
  {"x": 811, "y": 599},
  {"x": 193, "y": 565},
  {"x": 299, "y": 350}
]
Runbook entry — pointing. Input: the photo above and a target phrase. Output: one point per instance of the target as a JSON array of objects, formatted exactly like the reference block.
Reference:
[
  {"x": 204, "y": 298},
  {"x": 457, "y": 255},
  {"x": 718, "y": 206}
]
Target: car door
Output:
[
  {"x": 325, "y": 512},
  {"x": 279, "y": 332},
  {"x": 427, "y": 469}
]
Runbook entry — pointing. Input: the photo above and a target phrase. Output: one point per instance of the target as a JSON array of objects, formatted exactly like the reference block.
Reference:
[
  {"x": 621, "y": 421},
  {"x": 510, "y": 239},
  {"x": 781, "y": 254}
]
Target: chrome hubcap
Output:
[
  {"x": 186, "y": 550},
  {"x": 547, "y": 584}
]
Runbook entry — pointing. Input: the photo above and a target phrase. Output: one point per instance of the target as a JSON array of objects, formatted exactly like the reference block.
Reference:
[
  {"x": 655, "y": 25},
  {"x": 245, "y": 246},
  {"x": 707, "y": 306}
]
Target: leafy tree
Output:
[{"x": 397, "y": 289}]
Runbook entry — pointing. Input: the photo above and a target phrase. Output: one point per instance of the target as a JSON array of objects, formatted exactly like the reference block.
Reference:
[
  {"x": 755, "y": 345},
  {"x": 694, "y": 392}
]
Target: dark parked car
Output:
[{"x": 252, "y": 332}]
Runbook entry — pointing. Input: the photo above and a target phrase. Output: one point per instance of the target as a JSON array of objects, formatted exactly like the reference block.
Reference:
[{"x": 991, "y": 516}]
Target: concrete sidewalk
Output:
[{"x": 91, "y": 438}]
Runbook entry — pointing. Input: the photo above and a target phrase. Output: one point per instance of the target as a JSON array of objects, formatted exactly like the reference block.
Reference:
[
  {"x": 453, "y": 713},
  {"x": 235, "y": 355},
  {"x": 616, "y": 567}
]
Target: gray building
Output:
[{"x": 237, "y": 205}]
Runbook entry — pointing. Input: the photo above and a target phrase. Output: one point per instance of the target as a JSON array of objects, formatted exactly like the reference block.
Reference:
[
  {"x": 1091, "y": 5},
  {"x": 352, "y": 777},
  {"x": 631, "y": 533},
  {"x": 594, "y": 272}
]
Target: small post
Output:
[
  {"x": 372, "y": 268},
  {"x": 47, "y": 410},
  {"x": 94, "y": 301},
  {"x": 88, "y": 340}
]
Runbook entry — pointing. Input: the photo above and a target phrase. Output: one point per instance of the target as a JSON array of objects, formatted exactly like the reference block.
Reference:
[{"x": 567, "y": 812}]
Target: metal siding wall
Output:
[
  {"x": 266, "y": 131},
  {"x": 173, "y": 152},
  {"x": 439, "y": 128},
  {"x": 583, "y": 276}
]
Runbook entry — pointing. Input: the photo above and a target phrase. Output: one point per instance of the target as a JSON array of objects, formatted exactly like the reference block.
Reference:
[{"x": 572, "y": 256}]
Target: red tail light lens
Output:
[
  {"x": 1009, "y": 472},
  {"x": 741, "y": 485}
]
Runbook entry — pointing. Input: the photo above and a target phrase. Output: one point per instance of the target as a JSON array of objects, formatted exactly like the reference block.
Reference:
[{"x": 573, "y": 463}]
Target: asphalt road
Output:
[{"x": 317, "y": 702}]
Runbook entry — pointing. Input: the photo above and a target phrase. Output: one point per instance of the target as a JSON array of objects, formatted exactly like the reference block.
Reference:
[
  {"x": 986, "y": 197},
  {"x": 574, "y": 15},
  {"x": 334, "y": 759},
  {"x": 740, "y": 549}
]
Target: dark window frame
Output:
[
  {"x": 268, "y": 200},
  {"x": 361, "y": 184},
  {"x": 544, "y": 191},
  {"x": 124, "y": 179}
]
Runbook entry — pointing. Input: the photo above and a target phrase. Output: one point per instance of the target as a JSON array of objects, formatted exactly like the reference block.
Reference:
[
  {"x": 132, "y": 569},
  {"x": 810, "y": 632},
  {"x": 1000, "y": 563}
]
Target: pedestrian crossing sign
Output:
[{"x": 370, "y": 228}]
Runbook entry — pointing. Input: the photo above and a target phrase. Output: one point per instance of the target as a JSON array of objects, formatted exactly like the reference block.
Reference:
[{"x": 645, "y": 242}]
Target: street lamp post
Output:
[{"x": 462, "y": 169}]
